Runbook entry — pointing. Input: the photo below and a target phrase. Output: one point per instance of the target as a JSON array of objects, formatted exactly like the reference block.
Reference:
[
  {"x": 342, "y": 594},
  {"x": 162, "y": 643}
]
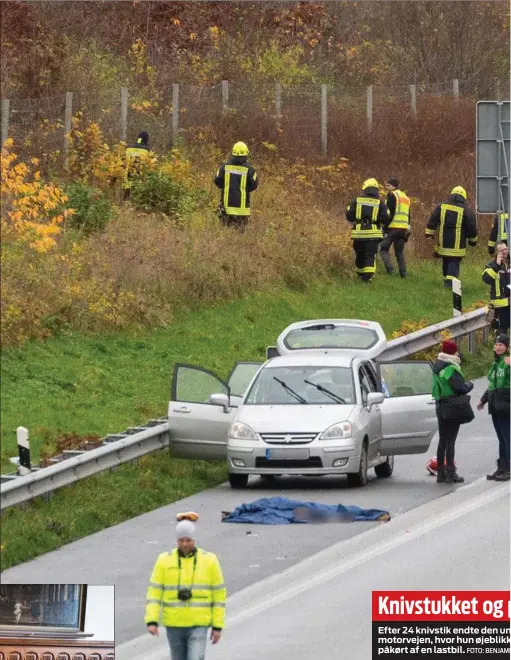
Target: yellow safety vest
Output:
[
  {"x": 200, "y": 573},
  {"x": 133, "y": 157},
  {"x": 363, "y": 230},
  {"x": 401, "y": 219},
  {"x": 503, "y": 225}
]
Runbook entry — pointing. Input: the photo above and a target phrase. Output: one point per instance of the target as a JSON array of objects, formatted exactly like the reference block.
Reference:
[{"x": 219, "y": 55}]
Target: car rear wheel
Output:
[
  {"x": 238, "y": 480},
  {"x": 360, "y": 478},
  {"x": 385, "y": 470}
]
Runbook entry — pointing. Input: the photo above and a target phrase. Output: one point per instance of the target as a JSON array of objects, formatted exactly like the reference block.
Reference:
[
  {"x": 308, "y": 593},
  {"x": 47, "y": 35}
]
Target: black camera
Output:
[{"x": 184, "y": 594}]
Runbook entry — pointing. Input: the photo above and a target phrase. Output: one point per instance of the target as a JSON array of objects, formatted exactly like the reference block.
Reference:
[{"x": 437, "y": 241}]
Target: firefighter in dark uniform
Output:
[
  {"x": 135, "y": 153},
  {"x": 496, "y": 274},
  {"x": 456, "y": 223},
  {"x": 236, "y": 179},
  {"x": 499, "y": 231},
  {"x": 369, "y": 216},
  {"x": 398, "y": 204}
]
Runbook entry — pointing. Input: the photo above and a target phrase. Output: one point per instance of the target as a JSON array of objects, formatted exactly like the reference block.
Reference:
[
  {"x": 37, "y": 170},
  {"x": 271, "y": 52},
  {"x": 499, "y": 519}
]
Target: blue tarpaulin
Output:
[{"x": 282, "y": 511}]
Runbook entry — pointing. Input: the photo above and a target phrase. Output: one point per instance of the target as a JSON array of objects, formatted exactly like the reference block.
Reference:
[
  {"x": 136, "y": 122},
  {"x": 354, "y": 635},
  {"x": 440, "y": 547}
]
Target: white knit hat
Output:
[{"x": 185, "y": 529}]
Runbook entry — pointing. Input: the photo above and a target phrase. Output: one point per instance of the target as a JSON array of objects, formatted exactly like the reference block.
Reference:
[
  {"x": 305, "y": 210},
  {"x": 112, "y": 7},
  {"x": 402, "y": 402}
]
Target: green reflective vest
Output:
[
  {"x": 498, "y": 376},
  {"x": 441, "y": 386}
]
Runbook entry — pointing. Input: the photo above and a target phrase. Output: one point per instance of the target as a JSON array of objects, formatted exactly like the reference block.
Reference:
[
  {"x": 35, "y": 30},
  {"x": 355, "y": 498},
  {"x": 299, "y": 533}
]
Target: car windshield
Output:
[
  {"x": 288, "y": 385},
  {"x": 331, "y": 336}
]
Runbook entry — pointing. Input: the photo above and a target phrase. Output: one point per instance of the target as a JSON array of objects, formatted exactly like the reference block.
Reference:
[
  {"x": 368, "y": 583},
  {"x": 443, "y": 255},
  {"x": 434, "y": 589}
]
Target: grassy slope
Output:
[{"x": 104, "y": 384}]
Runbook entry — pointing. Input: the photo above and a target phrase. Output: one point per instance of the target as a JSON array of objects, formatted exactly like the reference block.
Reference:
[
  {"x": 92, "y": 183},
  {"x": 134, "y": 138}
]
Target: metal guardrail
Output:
[{"x": 140, "y": 441}]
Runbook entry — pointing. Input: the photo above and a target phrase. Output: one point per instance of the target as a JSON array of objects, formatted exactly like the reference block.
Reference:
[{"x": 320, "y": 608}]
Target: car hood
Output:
[{"x": 293, "y": 419}]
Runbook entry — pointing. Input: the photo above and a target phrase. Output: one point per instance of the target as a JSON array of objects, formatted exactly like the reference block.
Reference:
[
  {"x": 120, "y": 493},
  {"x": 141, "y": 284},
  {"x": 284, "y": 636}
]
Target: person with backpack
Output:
[{"x": 497, "y": 397}]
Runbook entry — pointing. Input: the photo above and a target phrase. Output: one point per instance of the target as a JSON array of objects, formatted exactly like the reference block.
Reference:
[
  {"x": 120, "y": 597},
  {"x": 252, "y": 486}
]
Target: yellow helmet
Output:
[
  {"x": 459, "y": 190},
  {"x": 370, "y": 183},
  {"x": 240, "y": 149}
]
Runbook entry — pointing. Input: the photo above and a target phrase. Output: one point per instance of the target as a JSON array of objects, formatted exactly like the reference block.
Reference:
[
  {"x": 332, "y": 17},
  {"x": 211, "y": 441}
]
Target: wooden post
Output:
[
  {"x": 225, "y": 94},
  {"x": 456, "y": 88},
  {"x": 5, "y": 120},
  {"x": 124, "y": 114},
  {"x": 370, "y": 108},
  {"x": 175, "y": 112},
  {"x": 278, "y": 101},
  {"x": 324, "y": 120},
  {"x": 413, "y": 96},
  {"x": 68, "y": 124}
]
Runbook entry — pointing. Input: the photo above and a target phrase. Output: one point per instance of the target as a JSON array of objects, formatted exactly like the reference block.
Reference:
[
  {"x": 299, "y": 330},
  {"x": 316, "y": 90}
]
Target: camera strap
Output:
[{"x": 179, "y": 571}]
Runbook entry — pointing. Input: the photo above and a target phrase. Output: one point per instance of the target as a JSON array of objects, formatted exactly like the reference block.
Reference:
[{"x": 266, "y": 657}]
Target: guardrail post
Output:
[
  {"x": 456, "y": 298},
  {"x": 25, "y": 466}
]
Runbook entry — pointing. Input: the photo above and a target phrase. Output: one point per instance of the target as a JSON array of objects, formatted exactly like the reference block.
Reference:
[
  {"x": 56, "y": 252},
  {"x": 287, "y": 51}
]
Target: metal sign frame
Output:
[{"x": 493, "y": 158}]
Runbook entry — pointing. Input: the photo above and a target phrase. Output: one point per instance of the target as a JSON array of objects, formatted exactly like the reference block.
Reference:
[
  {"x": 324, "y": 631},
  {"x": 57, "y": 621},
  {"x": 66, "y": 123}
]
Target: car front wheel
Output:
[
  {"x": 385, "y": 470},
  {"x": 360, "y": 478},
  {"x": 238, "y": 480}
]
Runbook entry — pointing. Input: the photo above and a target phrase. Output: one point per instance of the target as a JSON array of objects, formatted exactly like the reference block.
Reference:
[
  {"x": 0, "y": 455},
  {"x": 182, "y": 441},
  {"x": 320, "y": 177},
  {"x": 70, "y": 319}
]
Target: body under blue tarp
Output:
[{"x": 282, "y": 511}]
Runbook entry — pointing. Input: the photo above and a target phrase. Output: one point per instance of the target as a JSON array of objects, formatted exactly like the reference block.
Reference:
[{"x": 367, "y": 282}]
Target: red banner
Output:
[{"x": 441, "y": 605}]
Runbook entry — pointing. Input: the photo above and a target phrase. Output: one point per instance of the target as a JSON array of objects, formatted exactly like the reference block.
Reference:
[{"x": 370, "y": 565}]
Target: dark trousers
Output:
[
  {"x": 396, "y": 238},
  {"x": 501, "y": 424},
  {"x": 448, "y": 432},
  {"x": 501, "y": 321},
  {"x": 238, "y": 222},
  {"x": 450, "y": 269},
  {"x": 365, "y": 258}
]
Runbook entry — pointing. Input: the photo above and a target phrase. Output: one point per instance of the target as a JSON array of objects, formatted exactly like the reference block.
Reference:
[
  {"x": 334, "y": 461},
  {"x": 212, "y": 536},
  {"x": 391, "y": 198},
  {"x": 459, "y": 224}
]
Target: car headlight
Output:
[
  {"x": 240, "y": 431},
  {"x": 337, "y": 432}
]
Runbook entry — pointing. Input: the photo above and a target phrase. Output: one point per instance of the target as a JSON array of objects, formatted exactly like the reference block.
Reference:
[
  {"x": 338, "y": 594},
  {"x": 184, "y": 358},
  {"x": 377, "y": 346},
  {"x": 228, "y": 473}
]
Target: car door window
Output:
[
  {"x": 371, "y": 376},
  {"x": 240, "y": 377},
  {"x": 195, "y": 385},
  {"x": 410, "y": 378},
  {"x": 365, "y": 384}
]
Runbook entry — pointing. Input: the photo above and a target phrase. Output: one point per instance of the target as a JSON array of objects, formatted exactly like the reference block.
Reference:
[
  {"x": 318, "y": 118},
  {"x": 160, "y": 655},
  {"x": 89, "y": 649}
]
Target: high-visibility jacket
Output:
[
  {"x": 236, "y": 180},
  {"x": 369, "y": 215},
  {"x": 202, "y": 574},
  {"x": 398, "y": 204},
  {"x": 442, "y": 388},
  {"x": 134, "y": 157},
  {"x": 499, "y": 231},
  {"x": 497, "y": 276},
  {"x": 455, "y": 223}
]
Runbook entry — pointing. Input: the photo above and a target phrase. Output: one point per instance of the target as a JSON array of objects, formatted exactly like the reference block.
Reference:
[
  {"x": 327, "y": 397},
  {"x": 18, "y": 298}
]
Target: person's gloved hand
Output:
[{"x": 470, "y": 386}]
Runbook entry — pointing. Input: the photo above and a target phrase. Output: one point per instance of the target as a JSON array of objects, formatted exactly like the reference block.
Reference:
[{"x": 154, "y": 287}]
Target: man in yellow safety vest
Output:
[
  {"x": 398, "y": 230},
  {"x": 135, "y": 155}
]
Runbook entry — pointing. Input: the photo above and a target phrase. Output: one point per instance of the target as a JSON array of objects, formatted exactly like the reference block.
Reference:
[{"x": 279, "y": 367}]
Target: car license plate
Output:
[{"x": 287, "y": 454}]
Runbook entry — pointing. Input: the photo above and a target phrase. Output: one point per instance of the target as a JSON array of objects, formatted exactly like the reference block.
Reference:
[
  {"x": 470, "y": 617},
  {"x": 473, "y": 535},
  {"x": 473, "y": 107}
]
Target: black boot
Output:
[
  {"x": 504, "y": 475},
  {"x": 452, "y": 477},
  {"x": 440, "y": 475},
  {"x": 498, "y": 471}
]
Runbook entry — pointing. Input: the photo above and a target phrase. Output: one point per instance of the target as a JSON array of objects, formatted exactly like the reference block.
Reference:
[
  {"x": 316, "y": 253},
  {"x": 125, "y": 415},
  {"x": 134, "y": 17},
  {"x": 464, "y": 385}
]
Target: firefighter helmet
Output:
[
  {"x": 370, "y": 183},
  {"x": 459, "y": 190},
  {"x": 240, "y": 149}
]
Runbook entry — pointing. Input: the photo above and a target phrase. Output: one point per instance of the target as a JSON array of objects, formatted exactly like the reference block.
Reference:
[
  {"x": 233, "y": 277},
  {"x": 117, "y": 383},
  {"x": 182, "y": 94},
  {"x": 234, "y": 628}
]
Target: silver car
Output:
[{"x": 324, "y": 405}]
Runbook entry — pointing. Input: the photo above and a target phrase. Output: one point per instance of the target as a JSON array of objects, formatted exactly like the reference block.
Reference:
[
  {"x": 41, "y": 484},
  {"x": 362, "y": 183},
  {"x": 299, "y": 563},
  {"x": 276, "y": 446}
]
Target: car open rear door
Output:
[
  {"x": 197, "y": 428},
  {"x": 408, "y": 412}
]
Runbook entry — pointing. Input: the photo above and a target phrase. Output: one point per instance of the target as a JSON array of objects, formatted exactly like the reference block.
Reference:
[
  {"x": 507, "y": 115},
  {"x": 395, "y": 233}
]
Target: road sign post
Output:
[{"x": 493, "y": 157}]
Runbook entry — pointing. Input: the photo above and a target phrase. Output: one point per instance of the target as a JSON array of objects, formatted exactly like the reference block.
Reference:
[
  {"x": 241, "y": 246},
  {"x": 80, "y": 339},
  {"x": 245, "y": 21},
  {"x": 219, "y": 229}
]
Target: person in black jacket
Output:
[
  {"x": 456, "y": 223},
  {"x": 369, "y": 216},
  {"x": 236, "y": 179},
  {"x": 496, "y": 274},
  {"x": 448, "y": 382},
  {"x": 499, "y": 231}
]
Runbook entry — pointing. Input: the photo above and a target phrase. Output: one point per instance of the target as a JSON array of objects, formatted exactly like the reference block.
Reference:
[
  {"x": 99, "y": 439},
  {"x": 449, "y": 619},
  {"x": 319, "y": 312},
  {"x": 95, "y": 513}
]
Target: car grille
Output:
[
  {"x": 314, "y": 462},
  {"x": 280, "y": 438}
]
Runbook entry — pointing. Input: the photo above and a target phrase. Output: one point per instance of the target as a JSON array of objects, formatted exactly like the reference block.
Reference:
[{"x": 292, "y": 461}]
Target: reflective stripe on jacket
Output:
[
  {"x": 455, "y": 224},
  {"x": 207, "y": 605},
  {"x": 368, "y": 216},
  {"x": 498, "y": 279},
  {"x": 401, "y": 219},
  {"x": 134, "y": 156},
  {"x": 499, "y": 231},
  {"x": 237, "y": 181}
]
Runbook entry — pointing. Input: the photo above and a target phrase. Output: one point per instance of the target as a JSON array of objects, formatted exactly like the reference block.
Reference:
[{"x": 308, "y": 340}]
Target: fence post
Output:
[
  {"x": 68, "y": 123},
  {"x": 225, "y": 94},
  {"x": 456, "y": 88},
  {"x": 175, "y": 112},
  {"x": 5, "y": 120},
  {"x": 25, "y": 466},
  {"x": 278, "y": 101},
  {"x": 413, "y": 95},
  {"x": 456, "y": 297},
  {"x": 124, "y": 114},
  {"x": 324, "y": 119},
  {"x": 370, "y": 108}
]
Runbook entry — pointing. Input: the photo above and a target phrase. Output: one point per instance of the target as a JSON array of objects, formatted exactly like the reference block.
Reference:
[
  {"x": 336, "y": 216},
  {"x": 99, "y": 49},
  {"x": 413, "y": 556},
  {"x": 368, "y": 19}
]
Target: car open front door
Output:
[
  {"x": 240, "y": 378},
  {"x": 197, "y": 428},
  {"x": 408, "y": 412}
]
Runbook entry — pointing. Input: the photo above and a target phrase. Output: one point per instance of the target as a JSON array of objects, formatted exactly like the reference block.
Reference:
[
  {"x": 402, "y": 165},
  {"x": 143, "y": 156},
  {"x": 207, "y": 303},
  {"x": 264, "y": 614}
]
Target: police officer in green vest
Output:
[
  {"x": 448, "y": 382},
  {"x": 398, "y": 231},
  {"x": 499, "y": 231}
]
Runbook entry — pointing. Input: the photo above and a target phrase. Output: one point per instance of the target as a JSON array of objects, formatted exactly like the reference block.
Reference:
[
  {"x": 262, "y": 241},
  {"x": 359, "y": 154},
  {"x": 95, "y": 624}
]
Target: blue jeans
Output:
[
  {"x": 501, "y": 424},
  {"x": 187, "y": 643}
]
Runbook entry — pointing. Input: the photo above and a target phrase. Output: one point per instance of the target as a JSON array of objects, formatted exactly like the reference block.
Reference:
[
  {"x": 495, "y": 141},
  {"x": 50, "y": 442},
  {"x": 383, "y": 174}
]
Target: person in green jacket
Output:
[
  {"x": 448, "y": 381},
  {"x": 497, "y": 397}
]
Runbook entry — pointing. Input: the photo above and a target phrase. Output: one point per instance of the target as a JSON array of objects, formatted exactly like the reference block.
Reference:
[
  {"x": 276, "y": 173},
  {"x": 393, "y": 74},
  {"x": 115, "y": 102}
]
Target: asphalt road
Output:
[{"x": 124, "y": 555}]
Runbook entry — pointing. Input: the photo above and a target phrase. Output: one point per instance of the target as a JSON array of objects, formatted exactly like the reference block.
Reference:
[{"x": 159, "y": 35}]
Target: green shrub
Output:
[{"x": 93, "y": 210}]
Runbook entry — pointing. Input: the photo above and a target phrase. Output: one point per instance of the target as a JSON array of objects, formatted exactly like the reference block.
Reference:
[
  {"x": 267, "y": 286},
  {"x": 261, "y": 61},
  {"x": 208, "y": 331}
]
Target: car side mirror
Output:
[
  {"x": 374, "y": 398},
  {"x": 220, "y": 400}
]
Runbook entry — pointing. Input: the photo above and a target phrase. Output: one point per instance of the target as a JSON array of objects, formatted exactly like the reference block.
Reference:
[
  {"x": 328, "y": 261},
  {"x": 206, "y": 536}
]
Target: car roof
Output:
[{"x": 310, "y": 359}]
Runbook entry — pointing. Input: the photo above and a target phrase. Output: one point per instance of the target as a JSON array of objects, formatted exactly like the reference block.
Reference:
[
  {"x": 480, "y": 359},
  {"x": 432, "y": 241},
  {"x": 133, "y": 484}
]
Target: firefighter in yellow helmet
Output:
[
  {"x": 187, "y": 595},
  {"x": 369, "y": 217},
  {"x": 398, "y": 230},
  {"x": 236, "y": 179},
  {"x": 456, "y": 223},
  {"x": 135, "y": 154}
]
